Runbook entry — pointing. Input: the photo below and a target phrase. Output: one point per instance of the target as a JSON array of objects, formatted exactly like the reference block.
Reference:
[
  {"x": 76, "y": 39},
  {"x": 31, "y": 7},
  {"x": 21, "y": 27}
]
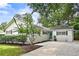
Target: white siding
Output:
[
  {"x": 38, "y": 38},
  {"x": 68, "y": 37},
  {"x": 13, "y": 27}
]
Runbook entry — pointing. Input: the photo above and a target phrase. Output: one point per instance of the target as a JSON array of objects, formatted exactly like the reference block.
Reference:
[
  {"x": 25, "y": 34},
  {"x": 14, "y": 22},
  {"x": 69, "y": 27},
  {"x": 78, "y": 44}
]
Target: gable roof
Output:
[
  {"x": 17, "y": 18},
  {"x": 9, "y": 24}
]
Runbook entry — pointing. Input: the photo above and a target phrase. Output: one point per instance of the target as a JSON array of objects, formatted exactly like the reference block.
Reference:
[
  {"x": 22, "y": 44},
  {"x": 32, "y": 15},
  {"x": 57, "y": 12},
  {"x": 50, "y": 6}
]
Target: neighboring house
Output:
[{"x": 62, "y": 33}]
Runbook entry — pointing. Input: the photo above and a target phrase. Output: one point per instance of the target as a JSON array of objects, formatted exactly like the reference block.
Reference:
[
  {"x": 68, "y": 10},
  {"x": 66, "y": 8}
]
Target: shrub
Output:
[
  {"x": 9, "y": 38},
  {"x": 76, "y": 35},
  {"x": 1, "y": 37},
  {"x": 21, "y": 38},
  {"x": 76, "y": 26},
  {"x": 13, "y": 38},
  {"x": 6, "y": 39}
]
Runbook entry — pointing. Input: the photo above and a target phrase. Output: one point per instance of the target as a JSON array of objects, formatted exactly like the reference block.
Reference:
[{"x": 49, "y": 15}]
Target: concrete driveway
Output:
[{"x": 52, "y": 48}]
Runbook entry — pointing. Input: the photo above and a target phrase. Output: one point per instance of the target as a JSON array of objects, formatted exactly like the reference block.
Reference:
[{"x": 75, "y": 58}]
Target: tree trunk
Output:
[{"x": 31, "y": 39}]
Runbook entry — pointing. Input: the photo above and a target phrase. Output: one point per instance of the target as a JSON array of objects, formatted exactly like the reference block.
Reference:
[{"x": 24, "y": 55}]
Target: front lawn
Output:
[
  {"x": 10, "y": 50},
  {"x": 16, "y": 50}
]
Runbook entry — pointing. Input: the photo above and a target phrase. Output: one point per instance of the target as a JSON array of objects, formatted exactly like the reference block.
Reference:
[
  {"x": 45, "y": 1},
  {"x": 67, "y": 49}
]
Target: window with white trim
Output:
[{"x": 62, "y": 33}]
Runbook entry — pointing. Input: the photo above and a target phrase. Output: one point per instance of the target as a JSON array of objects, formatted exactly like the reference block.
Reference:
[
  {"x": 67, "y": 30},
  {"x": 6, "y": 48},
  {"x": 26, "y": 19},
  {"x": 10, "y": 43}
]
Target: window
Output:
[
  {"x": 9, "y": 32},
  {"x": 62, "y": 33},
  {"x": 58, "y": 33},
  {"x": 66, "y": 32}
]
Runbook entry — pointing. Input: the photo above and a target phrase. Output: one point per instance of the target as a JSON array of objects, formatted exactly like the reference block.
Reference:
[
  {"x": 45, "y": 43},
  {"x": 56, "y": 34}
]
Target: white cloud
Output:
[
  {"x": 3, "y": 12},
  {"x": 2, "y": 5},
  {"x": 6, "y": 12},
  {"x": 22, "y": 11},
  {"x": 6, "y": 9},
  {"x": 35, "y": 17},
  {"x": 25, "y": 10}
]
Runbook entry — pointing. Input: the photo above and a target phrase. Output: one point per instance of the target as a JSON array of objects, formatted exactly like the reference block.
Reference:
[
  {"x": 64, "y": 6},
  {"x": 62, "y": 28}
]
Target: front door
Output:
[{"x": 50, "y": 35}]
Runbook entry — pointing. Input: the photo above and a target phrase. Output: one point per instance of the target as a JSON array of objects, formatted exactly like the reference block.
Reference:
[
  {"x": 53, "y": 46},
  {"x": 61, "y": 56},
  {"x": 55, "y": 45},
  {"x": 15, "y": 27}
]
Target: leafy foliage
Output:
[
  {"x": 76, "y": 26},
  {"x": 28, "y": 27},
  {"x": 22, "y": 29},
  {"x": 76, "y": 23},
  {"x": 2, "y": 26},
  {"x": 53, "y": 13}
]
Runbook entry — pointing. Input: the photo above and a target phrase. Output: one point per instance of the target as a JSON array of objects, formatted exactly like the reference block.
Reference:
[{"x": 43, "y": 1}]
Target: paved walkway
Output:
[{"x": 56, "y": 49}]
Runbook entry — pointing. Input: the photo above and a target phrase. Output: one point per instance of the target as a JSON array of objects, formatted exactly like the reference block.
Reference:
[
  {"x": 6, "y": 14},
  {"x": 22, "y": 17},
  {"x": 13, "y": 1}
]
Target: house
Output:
[
  {"x": 58, "y": 33},
  {"x": 62, "y": 33},
  {"x": 12, "y": 29}
]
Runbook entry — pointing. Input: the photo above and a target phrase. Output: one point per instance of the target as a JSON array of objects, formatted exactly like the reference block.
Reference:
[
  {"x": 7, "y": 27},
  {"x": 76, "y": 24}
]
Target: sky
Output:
[{"x": 8, "y": 10}]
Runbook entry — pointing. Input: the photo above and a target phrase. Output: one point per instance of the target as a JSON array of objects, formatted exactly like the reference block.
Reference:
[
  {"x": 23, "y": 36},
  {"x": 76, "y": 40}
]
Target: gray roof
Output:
[
  {"x": 62, "y": 27},
  {"x": 54, "y": 28},
  {"x": 42, "y": 27}
]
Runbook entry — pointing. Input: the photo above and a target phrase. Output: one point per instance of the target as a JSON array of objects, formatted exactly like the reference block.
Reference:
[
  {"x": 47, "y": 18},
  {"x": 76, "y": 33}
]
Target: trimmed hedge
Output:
[{"x": 13, "y": 38}]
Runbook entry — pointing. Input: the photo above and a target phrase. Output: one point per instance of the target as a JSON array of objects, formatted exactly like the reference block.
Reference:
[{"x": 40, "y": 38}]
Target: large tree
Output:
[
  {"x": 28, "y": 20},
  {"x": 53, "y": 12},
  {"x": 27, "y": 26}
]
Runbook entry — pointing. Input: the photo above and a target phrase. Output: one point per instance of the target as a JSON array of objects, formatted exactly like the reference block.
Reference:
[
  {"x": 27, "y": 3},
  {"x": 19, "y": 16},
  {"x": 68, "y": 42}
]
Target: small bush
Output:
[{"x": 21, "y": 38}]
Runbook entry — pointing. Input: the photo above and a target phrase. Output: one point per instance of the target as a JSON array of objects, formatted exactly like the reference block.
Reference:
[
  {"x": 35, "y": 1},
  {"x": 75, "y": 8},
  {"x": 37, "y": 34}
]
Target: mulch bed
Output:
[{"x": 28, "y": 48}]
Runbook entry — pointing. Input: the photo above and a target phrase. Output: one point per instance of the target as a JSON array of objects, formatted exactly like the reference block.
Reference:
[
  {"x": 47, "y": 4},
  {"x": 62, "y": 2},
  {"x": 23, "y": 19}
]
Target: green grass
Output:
[{"x": 10, "y": 50}]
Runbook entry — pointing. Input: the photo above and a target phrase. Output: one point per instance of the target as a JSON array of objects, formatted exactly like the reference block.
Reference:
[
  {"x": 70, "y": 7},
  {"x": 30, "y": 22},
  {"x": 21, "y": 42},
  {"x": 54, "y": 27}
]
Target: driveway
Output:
[{"x": 56, "y": 49}]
